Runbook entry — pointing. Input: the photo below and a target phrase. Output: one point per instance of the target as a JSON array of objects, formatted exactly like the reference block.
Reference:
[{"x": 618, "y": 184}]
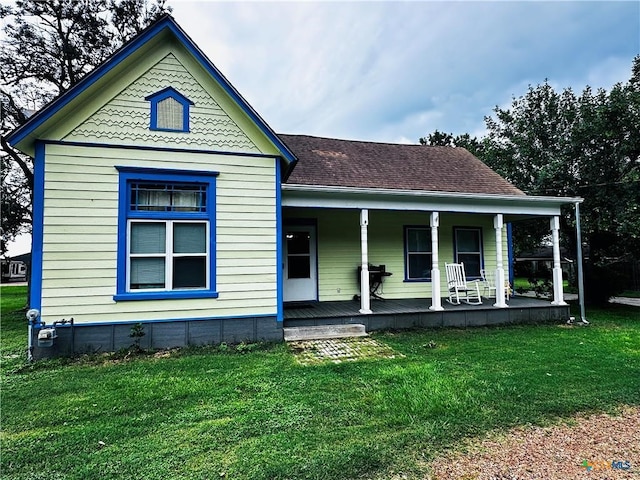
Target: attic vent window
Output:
[
  {"x": 169, "y": 111},
  {"x": 170, "y": 114}
]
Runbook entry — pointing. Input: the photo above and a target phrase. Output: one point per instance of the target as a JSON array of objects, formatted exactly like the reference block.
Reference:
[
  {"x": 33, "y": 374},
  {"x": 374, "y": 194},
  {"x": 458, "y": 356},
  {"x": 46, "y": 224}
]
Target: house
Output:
[
  {"x": 539, "y": 263},
  {"x": 162, "y": 198},
  {"x": 14, "y": 269}
]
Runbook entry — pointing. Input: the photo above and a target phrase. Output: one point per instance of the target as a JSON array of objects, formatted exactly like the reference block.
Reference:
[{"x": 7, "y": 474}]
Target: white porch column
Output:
[
  {"x": 498, "y": 224},
  {"x": 365, "y": 300},
  {"x": 436, "y": 301},
  {"x": 558, "y": 298}
]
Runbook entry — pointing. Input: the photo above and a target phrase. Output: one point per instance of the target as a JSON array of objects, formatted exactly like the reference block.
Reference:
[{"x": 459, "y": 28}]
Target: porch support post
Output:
[
  {"x": 498, "y": 224},
  {"x": 557, "y": 269},
  {"x": 436, "y": 301},
  {"x": 365, "y": 300}
]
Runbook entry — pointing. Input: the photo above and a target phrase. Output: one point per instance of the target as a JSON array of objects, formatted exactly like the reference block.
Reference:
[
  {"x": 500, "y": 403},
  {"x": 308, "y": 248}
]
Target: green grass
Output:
[{"x": 207, "y": 413}]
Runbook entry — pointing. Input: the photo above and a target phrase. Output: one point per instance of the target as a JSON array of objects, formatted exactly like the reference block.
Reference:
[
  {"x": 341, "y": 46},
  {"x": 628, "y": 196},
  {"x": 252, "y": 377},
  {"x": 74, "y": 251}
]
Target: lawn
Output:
[{"x": 254, "y": 412}]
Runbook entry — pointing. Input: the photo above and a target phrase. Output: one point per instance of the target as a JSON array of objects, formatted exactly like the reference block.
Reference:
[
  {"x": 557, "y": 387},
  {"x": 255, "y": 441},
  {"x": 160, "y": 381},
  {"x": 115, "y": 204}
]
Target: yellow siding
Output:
[
  {"x": 81, "y": 225},
  {"x": 339, "y": 248}
]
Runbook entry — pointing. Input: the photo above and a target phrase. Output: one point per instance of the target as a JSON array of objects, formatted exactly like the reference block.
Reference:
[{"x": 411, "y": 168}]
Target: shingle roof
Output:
[{"x": 350, "y": 163}]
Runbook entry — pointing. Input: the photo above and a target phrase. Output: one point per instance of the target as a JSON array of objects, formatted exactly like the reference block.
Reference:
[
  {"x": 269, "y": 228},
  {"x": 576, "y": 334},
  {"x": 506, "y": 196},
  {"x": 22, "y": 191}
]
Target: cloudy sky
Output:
[{"x": 396, "y": 71}]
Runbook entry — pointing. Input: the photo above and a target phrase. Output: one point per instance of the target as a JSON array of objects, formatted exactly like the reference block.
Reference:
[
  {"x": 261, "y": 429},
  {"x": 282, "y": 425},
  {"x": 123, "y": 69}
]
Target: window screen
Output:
[{"x": 170, "y": 115}]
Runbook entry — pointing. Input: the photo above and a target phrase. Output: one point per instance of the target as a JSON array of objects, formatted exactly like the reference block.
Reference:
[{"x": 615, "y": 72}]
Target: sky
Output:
[{"x": 397, "y": 71}]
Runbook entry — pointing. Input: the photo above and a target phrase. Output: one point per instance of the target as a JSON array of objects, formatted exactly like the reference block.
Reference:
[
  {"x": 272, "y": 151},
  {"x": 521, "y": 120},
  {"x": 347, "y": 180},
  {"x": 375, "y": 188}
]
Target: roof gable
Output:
[
  {"x": 166, "y": 28},
  {"x": 358, "y": 164},
  {"x": 125, "y": 119}
]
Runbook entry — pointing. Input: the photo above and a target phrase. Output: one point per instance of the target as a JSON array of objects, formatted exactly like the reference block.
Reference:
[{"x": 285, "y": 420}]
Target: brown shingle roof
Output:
[{"x": 350, "y": 163}]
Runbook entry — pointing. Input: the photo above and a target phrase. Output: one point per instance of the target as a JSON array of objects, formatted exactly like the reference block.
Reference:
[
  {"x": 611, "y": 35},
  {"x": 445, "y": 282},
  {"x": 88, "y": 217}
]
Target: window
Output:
[
  {"x": 468, "y": 250},
  {"x": 166, "y": 241},
  {"x": 169, "y": 111},
  {"x": 417, "y": 253}
]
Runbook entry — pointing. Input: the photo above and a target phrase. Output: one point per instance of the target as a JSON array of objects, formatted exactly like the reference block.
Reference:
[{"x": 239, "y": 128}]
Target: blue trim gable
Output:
[{"x": 166, "y": 23}]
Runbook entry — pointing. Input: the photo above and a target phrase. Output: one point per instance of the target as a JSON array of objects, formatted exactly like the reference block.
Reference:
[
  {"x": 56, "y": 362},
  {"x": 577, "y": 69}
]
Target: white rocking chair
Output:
[
  {"x": 489, "y": 281},
  {"x": 458, "y": 287}
]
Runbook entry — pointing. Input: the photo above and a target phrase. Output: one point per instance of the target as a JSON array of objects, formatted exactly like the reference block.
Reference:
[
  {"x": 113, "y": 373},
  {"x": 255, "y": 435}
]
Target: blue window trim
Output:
[
  {"x": 406, "y": 252},
  {"x": 163, "y": 94},
  {"x": 130, "y": 174},
  {"x": 455, "y": 248}
]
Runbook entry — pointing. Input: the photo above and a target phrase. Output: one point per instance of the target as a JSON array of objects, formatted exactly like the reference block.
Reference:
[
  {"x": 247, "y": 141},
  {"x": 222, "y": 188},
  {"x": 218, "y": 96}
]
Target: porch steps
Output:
[{"x": 321, "y": 332}]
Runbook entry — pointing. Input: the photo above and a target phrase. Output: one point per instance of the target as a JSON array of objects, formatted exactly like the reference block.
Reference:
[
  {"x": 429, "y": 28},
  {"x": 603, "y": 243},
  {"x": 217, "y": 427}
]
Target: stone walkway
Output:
[
  {"x": 634, "y": 302},
  {"x": 337, "y": 350}
]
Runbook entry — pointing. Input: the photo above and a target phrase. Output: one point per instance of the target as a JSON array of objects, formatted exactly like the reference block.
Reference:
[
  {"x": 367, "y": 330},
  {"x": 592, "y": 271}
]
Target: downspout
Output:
[
  {"x": 583, "y": 316},
  {"x": 511, "y": 259}
]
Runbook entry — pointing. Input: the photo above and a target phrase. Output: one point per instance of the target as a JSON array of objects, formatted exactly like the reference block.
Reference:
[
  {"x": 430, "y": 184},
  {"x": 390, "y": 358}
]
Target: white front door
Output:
[{"x": 300, "y": 263}]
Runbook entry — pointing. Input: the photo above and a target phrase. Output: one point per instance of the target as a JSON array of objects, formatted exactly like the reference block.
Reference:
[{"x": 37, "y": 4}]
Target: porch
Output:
[{"x": 414, "y": 312}]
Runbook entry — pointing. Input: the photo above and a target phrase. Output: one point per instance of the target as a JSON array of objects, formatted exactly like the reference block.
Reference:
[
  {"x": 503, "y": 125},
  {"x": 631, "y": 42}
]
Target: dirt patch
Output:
[{"x": 587, "y": 447}]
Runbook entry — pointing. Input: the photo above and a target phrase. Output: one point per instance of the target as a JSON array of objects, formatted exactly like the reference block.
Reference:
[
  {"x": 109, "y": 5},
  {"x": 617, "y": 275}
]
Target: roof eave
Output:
[{"x": 384, "y": 198}]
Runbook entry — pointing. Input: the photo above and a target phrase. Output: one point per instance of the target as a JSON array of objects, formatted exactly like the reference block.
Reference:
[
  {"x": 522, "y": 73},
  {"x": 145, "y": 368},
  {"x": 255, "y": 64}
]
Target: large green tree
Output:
[
  {"x": 48, "y": 47},
  {"x": 560, "y": 143}
]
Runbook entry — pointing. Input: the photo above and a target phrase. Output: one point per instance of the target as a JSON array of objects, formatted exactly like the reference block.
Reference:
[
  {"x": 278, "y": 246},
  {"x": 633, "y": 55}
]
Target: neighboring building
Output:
[
  {"x": 162, "y": 197},
  {"x": 539, "y": 263},
  {"x": 15, "y": 269}
]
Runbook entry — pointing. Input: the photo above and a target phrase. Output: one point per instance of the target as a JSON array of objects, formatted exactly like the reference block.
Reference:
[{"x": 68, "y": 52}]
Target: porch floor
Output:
[{"x": 414, "y": 312}]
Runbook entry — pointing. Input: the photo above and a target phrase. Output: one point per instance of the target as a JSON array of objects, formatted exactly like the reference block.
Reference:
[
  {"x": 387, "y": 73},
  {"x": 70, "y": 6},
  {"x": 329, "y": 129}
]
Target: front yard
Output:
[{"x": 255, "y": 412}]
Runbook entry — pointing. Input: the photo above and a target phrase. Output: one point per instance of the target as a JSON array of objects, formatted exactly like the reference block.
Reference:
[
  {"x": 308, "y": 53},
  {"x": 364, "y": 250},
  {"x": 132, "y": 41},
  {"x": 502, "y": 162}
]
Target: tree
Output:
[
  {"x": 437, "y": 138},
  {"x": 49, "y": 46},
  {"x": 550, "y": 143}
]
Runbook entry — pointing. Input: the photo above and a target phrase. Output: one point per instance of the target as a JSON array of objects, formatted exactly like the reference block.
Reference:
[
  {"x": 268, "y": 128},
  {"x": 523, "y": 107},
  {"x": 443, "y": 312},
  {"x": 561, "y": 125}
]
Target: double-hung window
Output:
[
  {"x": 418, "y": 258},
  {"x": 166, "y": 244},
  {"x": 468, "y": 249}
]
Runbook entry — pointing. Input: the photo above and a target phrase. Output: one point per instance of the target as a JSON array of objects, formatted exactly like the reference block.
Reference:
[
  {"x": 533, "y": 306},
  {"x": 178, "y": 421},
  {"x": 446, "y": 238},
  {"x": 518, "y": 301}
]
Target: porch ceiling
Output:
[{"x": 390, "y": 199}]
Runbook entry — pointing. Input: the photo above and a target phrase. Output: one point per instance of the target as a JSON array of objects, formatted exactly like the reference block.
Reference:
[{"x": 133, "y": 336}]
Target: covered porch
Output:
[
  {"x": 416, "y": 313},
  {"x": 349, "y": 228}
]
